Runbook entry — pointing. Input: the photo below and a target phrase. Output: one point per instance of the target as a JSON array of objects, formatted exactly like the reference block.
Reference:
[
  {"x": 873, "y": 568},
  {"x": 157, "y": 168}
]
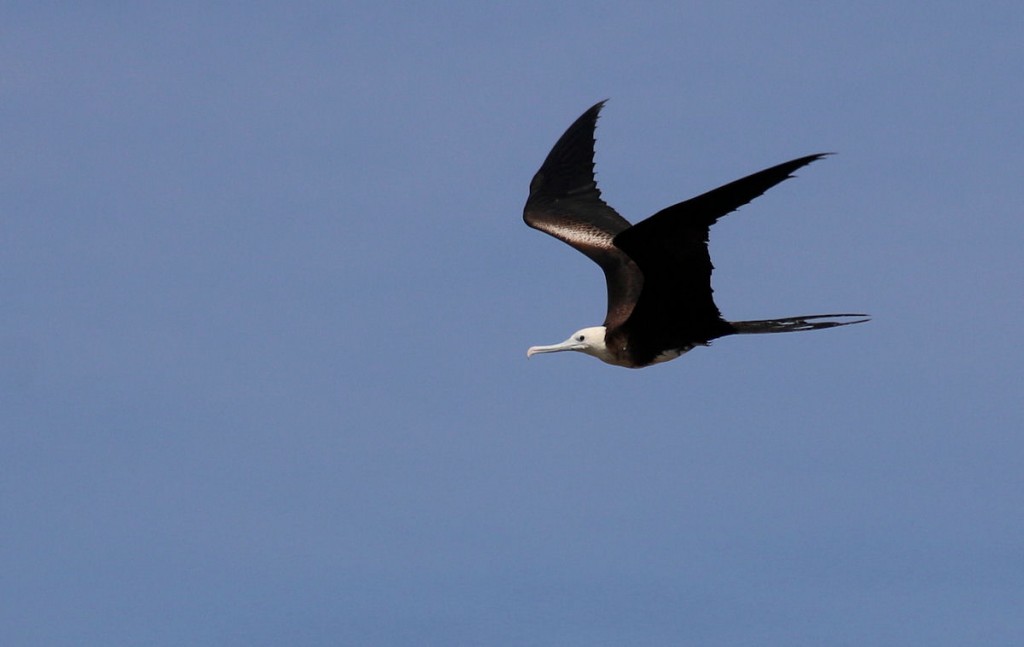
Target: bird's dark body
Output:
[{"x": 658, "y": 271}]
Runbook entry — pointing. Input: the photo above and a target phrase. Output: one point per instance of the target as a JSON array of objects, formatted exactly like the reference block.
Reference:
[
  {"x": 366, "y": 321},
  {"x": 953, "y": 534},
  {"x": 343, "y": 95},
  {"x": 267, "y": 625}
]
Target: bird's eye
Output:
[{"x": 579, "y": 338}]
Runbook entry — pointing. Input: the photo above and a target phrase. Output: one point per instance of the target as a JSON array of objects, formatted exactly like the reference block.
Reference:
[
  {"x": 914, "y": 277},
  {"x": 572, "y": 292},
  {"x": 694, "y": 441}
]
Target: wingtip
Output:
[
  {"x": 801, "y": 162},
  {"x": 596, "y": 109},
  {"x": 814, "y": 157}
]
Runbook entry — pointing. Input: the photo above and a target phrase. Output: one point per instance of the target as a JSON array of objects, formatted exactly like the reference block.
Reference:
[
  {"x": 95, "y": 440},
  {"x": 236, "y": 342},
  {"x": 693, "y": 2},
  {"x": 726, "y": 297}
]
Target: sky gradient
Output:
[{"x": 267, "y": 294}]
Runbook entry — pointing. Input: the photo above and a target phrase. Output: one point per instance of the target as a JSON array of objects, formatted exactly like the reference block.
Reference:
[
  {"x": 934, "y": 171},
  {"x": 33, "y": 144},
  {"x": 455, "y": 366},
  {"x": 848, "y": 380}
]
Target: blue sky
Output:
[{"x": 267, "y": 293}]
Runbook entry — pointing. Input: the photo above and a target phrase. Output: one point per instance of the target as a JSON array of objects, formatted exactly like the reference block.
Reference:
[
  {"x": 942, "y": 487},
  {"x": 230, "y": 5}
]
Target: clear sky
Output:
[{"x": 265, "y": 296}]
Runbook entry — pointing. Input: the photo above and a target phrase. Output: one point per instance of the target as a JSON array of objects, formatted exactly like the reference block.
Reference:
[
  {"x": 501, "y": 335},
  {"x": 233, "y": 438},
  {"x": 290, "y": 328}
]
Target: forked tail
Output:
[{"x": 795, "y": 324}]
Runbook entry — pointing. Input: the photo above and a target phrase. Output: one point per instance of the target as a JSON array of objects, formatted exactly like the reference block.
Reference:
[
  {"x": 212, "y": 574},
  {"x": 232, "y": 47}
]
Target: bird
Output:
[{"x": 658, "y": 271}]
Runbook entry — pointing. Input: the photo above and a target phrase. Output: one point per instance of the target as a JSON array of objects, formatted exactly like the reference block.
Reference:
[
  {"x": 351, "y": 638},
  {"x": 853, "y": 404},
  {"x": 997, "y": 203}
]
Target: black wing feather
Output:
[
  {"x": 566, "y": 203},
  {"x": 675, "y": 308}
]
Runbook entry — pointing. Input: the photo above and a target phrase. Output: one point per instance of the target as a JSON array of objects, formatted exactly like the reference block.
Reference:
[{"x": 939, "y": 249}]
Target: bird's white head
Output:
[{"x": 588, "y": 340}]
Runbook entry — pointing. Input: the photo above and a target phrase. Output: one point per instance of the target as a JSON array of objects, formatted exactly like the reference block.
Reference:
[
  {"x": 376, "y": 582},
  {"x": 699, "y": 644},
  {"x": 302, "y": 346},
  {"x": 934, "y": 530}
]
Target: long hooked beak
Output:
[{"x": 568, "y": 344}]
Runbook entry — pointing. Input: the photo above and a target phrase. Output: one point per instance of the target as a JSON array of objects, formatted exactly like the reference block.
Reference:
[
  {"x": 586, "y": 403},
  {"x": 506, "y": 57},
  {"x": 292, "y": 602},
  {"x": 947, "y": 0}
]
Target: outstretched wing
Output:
[
  {"x": 566, "y": 203},
  {"x": 676, "y": 308}
]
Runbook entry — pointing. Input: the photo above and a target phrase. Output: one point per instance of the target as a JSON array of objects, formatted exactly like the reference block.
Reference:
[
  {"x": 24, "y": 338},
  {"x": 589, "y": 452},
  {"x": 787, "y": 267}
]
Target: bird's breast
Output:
[{"x": 672, "y": 353}]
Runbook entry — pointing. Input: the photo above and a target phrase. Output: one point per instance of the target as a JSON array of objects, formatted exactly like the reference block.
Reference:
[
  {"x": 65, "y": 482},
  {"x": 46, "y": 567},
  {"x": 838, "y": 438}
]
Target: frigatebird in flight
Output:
[{"x": 658, "y": 271}]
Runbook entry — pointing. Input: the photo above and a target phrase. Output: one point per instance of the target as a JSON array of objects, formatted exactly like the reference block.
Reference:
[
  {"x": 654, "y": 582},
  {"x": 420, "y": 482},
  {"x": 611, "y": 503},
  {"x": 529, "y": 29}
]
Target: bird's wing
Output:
[
  {"x": 566, "y": 203},
  {"x": 675, "y": 307}
]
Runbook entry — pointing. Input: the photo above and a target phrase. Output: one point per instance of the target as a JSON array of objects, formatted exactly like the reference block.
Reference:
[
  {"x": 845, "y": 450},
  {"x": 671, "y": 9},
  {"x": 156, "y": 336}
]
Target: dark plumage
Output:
[{"x": 658, "y": 271}]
